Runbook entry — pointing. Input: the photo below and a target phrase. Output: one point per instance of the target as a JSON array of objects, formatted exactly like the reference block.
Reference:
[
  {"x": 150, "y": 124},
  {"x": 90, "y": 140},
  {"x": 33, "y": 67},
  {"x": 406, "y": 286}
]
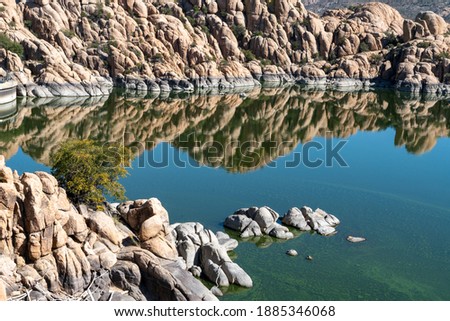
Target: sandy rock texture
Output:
[
  {"x": 52, "y": 250},
  {"x": 76, "y": 48}
]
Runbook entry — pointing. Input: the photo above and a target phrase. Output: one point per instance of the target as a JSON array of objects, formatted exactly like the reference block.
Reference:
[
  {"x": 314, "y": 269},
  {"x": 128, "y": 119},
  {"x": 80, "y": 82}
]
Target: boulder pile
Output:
[
  {"x": 52, "y": 250},
  {"x": 256, "y": 221}
]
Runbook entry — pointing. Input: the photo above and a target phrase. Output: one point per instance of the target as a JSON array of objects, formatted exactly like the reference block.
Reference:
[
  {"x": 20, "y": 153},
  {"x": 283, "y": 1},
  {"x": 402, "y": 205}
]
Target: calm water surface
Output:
[{"x": 394, "y": 191}]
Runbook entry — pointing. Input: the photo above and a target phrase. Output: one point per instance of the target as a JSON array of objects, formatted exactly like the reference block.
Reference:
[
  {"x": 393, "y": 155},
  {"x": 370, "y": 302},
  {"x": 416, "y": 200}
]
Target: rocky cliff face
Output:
[
  {"x": 74, "y": 47},
  {"x": 51, "y": 250}
]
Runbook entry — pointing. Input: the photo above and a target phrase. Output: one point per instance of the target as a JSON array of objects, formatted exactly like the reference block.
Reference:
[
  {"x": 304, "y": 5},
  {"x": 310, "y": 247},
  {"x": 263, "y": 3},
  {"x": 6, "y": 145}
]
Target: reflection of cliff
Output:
[
  {"x": 230, "y": 131},
  {"x": 285, "y": 118}
]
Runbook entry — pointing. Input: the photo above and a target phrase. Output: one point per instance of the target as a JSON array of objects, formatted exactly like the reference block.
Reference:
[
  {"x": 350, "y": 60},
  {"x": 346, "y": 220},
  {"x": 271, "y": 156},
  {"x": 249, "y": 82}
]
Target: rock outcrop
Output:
[
  {"x": 75, "y": 48},
  {"x": 256, "y": 221},
  {"x": 206, "y": 253},
  {"x": 51, "y": 250},
  {"x": 407, "y": 8},
  {"x": 305, "y": 219}
]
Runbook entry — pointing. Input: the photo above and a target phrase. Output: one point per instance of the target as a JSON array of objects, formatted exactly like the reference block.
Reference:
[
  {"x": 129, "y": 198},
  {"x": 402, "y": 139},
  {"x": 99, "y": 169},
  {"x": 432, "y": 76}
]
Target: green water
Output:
[{"x": 216, "y": 154}]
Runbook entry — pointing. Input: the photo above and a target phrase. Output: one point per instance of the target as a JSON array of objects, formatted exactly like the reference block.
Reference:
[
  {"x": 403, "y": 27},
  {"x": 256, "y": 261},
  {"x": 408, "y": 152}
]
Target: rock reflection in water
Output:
[{"x": 237, "y": 132}]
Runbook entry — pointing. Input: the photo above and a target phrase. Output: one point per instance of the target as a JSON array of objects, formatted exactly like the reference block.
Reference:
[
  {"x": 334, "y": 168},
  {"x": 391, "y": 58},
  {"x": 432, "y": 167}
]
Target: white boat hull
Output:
[{"x": 8, "y": 91}]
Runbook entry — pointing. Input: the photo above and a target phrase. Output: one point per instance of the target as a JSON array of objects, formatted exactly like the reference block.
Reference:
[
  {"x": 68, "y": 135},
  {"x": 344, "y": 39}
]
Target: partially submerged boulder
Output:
[
  {"x": 202, "y": 250},
  {"x": 305, "y": 219},
  {"x": 256, "y": 221}
]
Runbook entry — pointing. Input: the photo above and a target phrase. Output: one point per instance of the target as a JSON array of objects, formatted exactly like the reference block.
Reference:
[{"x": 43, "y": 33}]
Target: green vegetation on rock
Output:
[
  {"x": 11, "y": 45},
  {"x": 89, "y": 171}
]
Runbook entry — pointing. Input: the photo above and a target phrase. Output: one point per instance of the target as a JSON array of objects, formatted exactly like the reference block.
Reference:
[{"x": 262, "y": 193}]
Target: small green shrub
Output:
[
  {"x": 239, "y": 31},
  {"x": 112, "y": 43},
  {"x": 249, "y": 55},
  {"x": 447, "y": 78},
  {"x": 443, "y": 55},
  {"x": 306, "y": 23},
  {"x": 355, "y": 8},
  {"x": 28, "y": 23},
  {"x": 364, "y": 47},
  {"x": 390, "y": 39},
  {"x": 137, "y": 52},
  {"x": 258, "y": 34},
  {"x": 205, "y": 30},
  {"x": 376, "y": 59},
  {"x": 191, "y": 20},
  {"x": 98, "y": 10},
  {"x": 89, "y": 171},
  {"x": 265, "y": 62},
  {"x": 68, "y": 33},
  {"x": 11, "y": 45},
  {"x": 158, "y": 57},
  {"x": 223, "y": 15},
  {"x": 424, "y": 44},
  {"x": 166, "y": 10}
]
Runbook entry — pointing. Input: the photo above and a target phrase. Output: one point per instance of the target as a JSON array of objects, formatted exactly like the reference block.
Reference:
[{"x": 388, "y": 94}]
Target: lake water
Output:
[{"x": 205, "y": 156}]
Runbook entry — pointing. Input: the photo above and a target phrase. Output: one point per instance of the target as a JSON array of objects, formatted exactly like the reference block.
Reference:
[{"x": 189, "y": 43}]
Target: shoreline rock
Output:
[
  {"x": 204, "y": 251},
  {"x": 235, "y": 85},
  {"x": 165, "y": 46},
  {"x": 56, "y": 251},
  {"x": 256, "y": 221}
]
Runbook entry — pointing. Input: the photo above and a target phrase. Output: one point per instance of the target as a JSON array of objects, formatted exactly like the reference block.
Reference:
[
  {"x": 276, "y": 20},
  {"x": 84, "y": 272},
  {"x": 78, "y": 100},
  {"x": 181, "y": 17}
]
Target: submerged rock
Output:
[
  {"x": 292, "y": 252},
  {"x": 355, "y": 239}
]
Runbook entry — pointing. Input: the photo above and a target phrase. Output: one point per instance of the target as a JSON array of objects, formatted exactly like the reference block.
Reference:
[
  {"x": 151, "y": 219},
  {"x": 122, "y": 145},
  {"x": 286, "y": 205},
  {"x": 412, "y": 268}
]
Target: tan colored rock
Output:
[
  {"x": 140, "y": 211},
  {"x": 47, "y": 240},
  {"x": 59, "y": 236},
  {"x": 39, "y": 212},
  {"x": 49, "y": 183},
  {"x": 3, "y": 295},
  {"x": 107, "y": 259},
  {"x": 7, "y": 266},
  {"x": 150, "y": 228},
  {"x": 316, "y": 26},
  {"x": 8, "y": 196},
  {"x": 325, "y": 39},
  {"x": 382, "y": 17},
  {"x": 432, "y": 22},
  {"x": 76, "y": 225},
  {"x": 104, "y": 226},
  {"x": 70, "y": 270},
  {"x": 34, "y": 246},
  {"x": 6, "y": 175},
  {"x": 46, "y": 267},
  {"x": 161, "y": 247}
]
